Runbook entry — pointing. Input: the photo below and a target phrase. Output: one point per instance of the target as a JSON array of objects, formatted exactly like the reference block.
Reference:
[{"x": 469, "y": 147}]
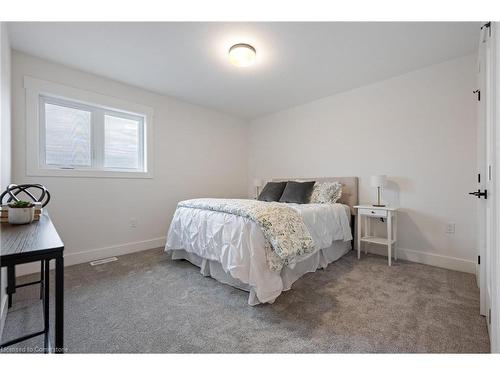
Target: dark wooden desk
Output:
[{"x": 37, "y": 242}]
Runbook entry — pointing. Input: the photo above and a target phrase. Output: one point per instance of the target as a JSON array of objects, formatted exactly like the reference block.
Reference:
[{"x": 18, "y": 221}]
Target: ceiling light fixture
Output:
[{"x": 242, "y": 55}]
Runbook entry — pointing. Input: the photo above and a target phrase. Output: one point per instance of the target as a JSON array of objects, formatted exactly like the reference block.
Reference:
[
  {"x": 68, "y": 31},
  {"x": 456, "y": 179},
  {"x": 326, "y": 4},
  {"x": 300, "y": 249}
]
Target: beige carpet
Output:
[{"x": 147, "y": 303}]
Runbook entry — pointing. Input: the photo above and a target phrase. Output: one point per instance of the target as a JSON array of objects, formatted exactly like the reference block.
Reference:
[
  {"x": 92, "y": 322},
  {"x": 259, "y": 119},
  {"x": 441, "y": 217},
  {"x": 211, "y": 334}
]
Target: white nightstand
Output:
[{"x": 388, "y": 214}]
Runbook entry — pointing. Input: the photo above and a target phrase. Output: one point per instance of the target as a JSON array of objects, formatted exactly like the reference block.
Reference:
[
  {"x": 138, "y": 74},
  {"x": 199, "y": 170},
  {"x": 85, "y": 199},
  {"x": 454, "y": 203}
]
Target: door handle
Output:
[{"x": 480, "y": 193}]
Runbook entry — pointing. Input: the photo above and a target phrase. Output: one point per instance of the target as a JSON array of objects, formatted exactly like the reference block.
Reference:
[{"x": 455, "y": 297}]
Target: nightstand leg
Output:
[
  {"x": 358, "y": 232},
  {"x": 368, "y": 231},
  {"x": 389, "y": 237},
  {"x": 395, "y": 237}
]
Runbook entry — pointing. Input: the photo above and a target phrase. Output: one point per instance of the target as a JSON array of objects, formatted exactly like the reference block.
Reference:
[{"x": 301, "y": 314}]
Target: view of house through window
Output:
[
  {"x": 122, "y": 141},
  {"x": 67, "y": 136}
]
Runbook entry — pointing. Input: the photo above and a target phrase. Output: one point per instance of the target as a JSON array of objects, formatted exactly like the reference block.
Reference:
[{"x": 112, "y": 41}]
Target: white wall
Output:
[
  {"x": 418, "y": 128},
  {"x": 5, "y": 139},
  {"x": 5, "y": 147},
  {"x": 198, "y": 152}
]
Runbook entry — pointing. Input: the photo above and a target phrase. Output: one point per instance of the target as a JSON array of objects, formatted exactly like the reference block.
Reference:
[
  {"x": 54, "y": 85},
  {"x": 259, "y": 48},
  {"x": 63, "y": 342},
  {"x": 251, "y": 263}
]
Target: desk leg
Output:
[
  {"x": 42, "y": 277},
  {"x": 59, "y": 332},
  {"x": 46, "y": 287},
  {"x": 11, "y": 283}
]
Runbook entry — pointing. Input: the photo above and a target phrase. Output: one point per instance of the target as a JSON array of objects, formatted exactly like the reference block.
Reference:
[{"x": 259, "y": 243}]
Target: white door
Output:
[{"x": 486, "y": 154}]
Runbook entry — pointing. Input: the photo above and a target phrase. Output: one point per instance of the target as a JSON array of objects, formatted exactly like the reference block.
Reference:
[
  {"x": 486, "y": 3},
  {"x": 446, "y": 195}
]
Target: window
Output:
[
  {"x": 67, "y": 135},
  {"x": 79, "y": 136},
  {"x": 122, "y": 142},
  {"x": 76, "y": 138}
]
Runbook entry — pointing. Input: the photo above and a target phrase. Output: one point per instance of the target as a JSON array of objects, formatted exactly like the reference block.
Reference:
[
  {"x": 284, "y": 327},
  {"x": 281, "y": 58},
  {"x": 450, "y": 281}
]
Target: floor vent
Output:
[{"x": 102, "y": 261}]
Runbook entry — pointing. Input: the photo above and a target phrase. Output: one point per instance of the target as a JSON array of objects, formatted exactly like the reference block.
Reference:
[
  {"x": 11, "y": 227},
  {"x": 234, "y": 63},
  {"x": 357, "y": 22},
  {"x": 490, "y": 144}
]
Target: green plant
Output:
[{"x": 21, "y": 204}]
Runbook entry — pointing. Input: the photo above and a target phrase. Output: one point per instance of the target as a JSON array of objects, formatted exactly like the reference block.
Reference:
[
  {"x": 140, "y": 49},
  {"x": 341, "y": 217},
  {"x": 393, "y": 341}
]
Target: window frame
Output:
[{"x": 39, "y": 92}]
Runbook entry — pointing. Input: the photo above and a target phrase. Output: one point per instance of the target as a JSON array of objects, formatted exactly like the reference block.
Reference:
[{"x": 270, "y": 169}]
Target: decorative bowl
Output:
[{"x": 19, "y": 215}]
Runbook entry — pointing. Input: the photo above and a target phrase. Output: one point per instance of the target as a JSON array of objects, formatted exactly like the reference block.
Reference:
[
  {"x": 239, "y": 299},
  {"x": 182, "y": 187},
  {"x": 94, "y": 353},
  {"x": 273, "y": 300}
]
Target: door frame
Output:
[
  {"x": 486, "y": 164},
  {"x": 495, "y": 256},
  {"x": 482, "y": 175},
  {"x": 490, "y": 258}
]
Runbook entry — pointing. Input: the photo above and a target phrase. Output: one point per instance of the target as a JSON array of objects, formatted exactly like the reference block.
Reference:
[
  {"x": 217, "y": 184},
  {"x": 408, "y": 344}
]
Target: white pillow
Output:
[{"x": 326, "y": 192}]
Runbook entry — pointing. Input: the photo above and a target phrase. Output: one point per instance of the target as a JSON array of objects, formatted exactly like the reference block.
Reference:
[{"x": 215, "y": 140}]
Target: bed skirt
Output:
[{"x": 289, "y": 274}]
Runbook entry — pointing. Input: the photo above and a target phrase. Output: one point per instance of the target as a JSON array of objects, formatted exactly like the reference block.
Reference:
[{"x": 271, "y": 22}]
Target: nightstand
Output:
[{"x": 365, "y": 234}]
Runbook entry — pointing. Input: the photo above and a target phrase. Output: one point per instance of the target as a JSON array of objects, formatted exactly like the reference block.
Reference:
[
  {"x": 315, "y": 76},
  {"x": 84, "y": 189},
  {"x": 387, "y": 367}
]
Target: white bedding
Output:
[{"x": 238, "y": 244}]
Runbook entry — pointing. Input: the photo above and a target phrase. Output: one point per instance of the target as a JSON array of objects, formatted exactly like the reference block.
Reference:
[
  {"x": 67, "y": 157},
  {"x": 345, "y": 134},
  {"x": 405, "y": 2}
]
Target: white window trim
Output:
[{"x": 35, "y": 166}]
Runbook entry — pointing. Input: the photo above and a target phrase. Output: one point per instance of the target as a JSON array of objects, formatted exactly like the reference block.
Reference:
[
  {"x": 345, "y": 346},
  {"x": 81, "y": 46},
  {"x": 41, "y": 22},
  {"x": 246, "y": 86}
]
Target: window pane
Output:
[
  {"x": 121, "y": 144},
  {"x": 67, "y": 136}
]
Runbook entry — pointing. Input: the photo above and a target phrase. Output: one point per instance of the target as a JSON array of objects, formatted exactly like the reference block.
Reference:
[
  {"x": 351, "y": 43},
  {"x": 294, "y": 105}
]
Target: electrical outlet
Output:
[
  {"x": 450, "y": 228},
  {"x": 133, "y": 222}
]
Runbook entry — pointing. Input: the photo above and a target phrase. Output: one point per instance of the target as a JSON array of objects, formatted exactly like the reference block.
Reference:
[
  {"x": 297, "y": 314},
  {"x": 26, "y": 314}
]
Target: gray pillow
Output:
[
  {"x": 297, "y": 192},
  {"x": 272, "y": 191}
]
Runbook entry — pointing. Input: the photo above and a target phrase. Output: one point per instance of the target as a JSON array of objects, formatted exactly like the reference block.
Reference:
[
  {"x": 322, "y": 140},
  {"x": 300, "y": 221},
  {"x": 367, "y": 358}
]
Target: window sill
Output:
[{"x": 60, "y": 172}]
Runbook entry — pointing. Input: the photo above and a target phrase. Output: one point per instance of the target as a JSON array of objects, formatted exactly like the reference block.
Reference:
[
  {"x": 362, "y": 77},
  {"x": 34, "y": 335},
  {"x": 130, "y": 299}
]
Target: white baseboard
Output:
[
  {"x": 429, "y": 258},
  {"x": 95, "y": 254}
]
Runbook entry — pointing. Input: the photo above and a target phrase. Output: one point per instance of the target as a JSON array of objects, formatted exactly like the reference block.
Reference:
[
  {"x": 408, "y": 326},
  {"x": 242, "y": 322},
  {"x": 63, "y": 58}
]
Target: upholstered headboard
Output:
[{"x": 349, "y": 188}]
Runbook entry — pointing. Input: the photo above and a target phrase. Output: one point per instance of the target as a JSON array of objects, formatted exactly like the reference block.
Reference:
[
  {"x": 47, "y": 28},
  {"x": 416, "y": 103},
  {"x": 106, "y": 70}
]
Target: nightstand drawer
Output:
[{"x": 372, "y": 212}]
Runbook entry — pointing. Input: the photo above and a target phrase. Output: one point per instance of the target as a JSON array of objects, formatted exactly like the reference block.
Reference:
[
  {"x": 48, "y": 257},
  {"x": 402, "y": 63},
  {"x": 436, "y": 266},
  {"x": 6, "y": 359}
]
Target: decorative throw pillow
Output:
[
  {"x": 272, "y": 191},
  {"x": 326, "y": 192},
  {"x": 297, "y": 192}
]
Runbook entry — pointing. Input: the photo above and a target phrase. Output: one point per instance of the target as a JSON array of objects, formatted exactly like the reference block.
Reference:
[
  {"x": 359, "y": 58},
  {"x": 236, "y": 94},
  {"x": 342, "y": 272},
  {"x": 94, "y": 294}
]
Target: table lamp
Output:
[{"x": 379, "y": 181}]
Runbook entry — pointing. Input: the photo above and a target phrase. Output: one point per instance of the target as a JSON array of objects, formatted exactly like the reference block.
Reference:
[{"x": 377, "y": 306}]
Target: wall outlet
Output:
[
  {"x": 133, "y": 222},
  {"x": 450, "y": 228}
]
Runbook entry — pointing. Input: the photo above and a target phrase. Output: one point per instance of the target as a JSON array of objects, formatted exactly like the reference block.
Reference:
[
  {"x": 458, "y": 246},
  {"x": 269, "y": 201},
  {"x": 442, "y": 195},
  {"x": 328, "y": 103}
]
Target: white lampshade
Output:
[
  {"x": 257, "y": 182},
  {"x": 379, "y": 180}
]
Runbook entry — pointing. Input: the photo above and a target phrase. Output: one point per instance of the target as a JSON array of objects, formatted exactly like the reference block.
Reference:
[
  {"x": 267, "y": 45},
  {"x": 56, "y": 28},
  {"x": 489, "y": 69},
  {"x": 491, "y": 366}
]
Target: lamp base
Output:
[{"x": 378, "y": 205}]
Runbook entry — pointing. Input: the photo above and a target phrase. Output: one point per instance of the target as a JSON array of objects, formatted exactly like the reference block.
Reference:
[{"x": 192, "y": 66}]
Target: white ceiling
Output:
[{"x": 296, "y": 62}]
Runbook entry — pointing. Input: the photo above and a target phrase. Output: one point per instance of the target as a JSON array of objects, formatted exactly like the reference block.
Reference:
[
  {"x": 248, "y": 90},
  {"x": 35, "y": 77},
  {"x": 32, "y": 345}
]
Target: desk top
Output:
[{"x": 26, "y": 240}]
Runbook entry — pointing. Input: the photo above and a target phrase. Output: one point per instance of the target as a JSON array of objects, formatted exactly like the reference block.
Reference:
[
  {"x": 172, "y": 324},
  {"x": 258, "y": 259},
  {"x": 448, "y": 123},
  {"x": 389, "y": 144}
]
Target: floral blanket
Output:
[{"x": 283, "y": 227}]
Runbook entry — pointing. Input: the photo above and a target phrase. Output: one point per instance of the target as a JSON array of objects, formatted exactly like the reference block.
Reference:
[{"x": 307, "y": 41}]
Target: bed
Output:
[{"x": 234, "y": 249}]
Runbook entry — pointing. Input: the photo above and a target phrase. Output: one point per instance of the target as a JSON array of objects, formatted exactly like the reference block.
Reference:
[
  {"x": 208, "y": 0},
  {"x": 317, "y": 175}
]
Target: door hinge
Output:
[
  {"x": 478, "y": 92},
  {"x": 479, "y": 178},
  {"x": 479, "y": 259},
  {"x": 487, "y": 25},
  {"x": 489, "y": 317}
]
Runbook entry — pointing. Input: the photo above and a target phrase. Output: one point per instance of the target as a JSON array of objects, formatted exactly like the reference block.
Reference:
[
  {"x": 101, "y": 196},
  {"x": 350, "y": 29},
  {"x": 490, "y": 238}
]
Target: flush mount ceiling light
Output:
[{"x": 242, "y": 55}]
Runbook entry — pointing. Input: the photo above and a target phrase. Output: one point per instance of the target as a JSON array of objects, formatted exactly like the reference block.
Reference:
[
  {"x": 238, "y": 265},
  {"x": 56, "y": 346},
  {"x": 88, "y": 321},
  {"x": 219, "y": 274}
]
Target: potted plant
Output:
[{"x": 21, "y": 212}]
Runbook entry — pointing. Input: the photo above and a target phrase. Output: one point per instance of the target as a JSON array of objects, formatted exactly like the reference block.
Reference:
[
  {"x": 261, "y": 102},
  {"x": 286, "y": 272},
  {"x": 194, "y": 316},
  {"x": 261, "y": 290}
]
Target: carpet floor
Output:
[{"x": 145, "y": 302}]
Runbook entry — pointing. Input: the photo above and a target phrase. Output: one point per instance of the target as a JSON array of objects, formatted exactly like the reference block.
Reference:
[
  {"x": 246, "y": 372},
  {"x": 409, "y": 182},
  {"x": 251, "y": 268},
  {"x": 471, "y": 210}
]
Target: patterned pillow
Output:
[{"x": 326, "y": 192}]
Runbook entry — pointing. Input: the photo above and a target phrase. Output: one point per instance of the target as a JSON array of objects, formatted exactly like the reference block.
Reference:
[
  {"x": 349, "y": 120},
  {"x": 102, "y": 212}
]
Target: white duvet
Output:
[{"x": 238, "y": 243}]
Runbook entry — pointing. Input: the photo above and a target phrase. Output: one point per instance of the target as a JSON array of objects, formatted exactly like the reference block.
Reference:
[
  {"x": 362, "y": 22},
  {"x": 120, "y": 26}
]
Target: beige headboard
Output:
[{"x": 349, "y": 188}]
